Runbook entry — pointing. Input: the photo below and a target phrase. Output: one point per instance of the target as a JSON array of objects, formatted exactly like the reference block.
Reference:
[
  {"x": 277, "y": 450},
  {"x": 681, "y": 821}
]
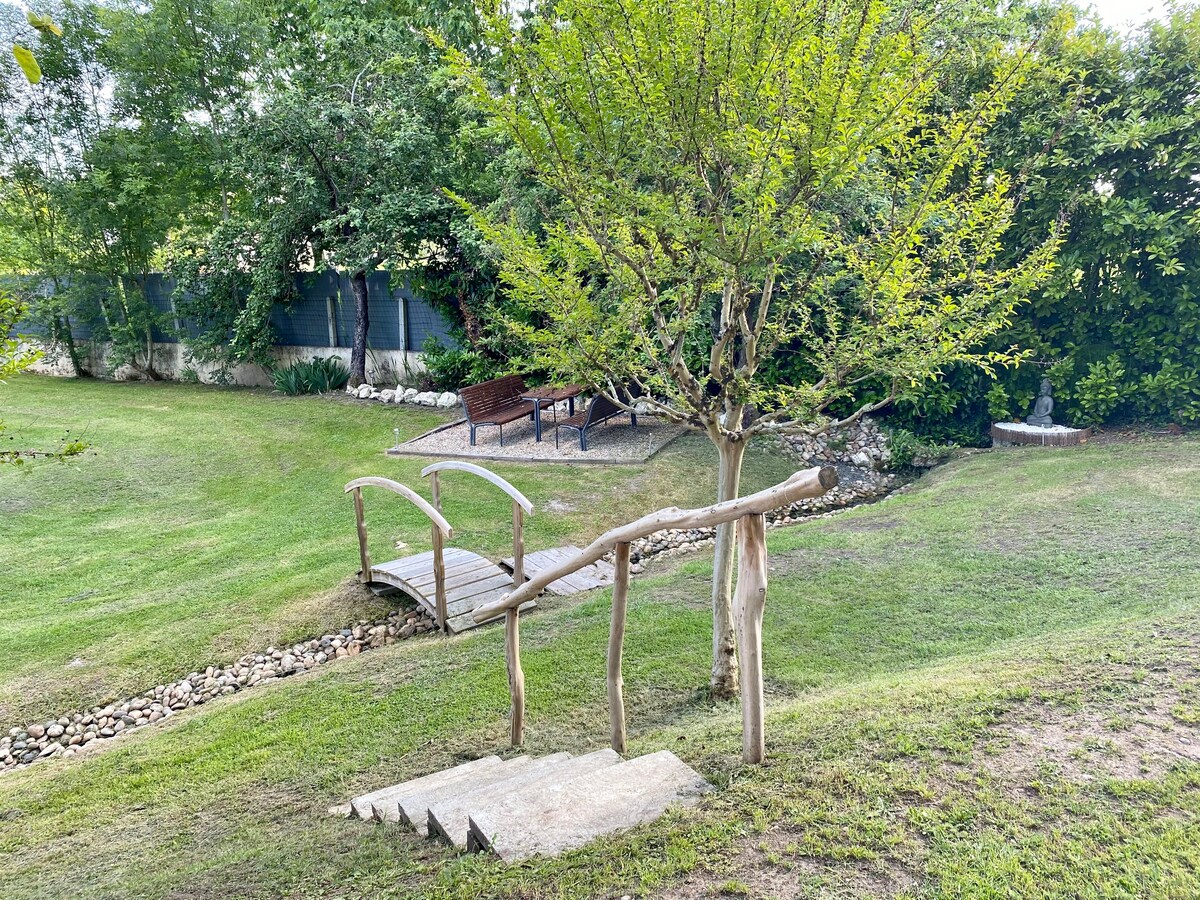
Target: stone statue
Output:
[{"x": 1042, "y": 407}]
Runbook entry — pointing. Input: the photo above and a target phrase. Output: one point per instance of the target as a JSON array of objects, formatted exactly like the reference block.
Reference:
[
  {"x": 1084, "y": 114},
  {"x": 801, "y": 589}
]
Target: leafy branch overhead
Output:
[
  {"x": 24, "y": 56},
  {"x": 740, "y": 184}
]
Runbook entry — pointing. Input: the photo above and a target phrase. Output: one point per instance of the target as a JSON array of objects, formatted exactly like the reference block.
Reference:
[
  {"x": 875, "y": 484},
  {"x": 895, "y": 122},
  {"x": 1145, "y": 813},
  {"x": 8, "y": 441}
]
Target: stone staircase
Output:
[{"x": 522, "y": 807}]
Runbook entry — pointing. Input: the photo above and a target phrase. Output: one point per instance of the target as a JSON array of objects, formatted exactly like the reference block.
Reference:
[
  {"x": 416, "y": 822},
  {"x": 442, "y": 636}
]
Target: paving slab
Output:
[
  {"x": 413, "y": 808},
  {"x": 363, "y": 806},
  {"x": 563, "y": 816}
]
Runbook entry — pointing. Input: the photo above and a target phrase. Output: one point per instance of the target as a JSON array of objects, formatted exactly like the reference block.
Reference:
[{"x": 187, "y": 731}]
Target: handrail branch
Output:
[{"x": 803, "y": 484}]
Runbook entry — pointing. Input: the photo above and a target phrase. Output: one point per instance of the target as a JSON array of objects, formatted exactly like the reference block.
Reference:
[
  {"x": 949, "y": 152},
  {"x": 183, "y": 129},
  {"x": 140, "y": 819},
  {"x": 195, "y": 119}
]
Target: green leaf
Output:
[
  {"x": 44, "y": 24},
  {"x": 28, "y": 64}
]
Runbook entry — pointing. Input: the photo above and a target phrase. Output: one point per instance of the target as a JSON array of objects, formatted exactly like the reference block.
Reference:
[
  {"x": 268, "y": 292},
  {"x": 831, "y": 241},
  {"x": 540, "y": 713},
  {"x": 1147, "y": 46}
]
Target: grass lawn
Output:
[
  {"x": 985, "y": 687},
  {"x": 212, "y": 522}
]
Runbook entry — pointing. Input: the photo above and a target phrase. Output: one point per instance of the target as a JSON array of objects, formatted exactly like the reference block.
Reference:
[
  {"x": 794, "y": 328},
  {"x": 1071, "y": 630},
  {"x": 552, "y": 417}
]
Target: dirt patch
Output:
[
  {"x": 1151, "y": 726},
  {"x": 770, "y": 865}
]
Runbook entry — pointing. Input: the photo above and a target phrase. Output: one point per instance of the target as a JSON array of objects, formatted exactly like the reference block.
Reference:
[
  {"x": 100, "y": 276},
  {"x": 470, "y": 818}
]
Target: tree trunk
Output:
[
  {"x": 362, "y": 322},
  {"x": 724, "y": 681},
  {"x": 61, "y": 333}
]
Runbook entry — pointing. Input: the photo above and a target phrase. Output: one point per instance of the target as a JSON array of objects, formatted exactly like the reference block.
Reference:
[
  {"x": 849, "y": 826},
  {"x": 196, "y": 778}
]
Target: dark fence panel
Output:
[{"x": 322, "y": 315}]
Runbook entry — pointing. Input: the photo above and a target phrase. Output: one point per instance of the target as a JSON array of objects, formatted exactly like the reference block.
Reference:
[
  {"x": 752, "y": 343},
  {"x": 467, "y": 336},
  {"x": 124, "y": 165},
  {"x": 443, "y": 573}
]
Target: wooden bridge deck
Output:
[
  {"x": 599, "y": 574},
  {"x": 471, "y": 581}
]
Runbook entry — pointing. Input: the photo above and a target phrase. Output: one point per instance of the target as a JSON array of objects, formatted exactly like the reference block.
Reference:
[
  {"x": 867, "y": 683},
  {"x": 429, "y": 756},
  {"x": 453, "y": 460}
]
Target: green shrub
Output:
[
  {"x": 910, "y": 451},
  {"x": 1099, "y": 392},
  {"x": 316, "y": 376},
  {"x": 450, "y": 368}
]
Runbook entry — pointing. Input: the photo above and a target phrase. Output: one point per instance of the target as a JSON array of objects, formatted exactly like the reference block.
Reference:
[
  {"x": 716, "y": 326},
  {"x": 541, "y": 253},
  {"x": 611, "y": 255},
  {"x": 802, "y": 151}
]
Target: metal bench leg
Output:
[
  {"x": 583, "y": 439},
  {"x": 501, "y": 435},
  {"x": 633, "y": 419},
  {"x": 472, "y": 427}
]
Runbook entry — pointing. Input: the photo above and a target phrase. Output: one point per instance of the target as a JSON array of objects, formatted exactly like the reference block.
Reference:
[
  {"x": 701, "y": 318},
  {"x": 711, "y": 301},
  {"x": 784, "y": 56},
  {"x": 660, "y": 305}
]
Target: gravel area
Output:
[{"x": 615, "y": 441}]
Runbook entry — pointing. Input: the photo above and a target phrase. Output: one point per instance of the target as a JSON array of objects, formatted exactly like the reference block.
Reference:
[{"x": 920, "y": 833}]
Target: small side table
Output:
[{"x": 555, "y": 395}]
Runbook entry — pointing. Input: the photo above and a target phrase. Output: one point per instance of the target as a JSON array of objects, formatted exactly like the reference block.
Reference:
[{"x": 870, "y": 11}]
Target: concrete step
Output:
[
  {"x": 582, "y": 765},
  {"x": 447, "y": 818},
  {"x": 363, "y": 806},
  {"x": 413, "y": 808},
  {"x": 450, "y": 819},
  {"x": 554, "y": 817}
]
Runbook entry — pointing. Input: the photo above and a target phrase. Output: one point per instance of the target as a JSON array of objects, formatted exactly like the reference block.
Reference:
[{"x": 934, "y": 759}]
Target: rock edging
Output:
[
  {"x": 69, "y": 734},
  {"x": 443, "y": 400}
]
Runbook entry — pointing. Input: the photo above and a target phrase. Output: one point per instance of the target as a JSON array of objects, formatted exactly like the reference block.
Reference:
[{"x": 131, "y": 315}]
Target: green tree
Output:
[
  {"x": 1107, "y": 133},
  {"x": 740, "y": 183}
]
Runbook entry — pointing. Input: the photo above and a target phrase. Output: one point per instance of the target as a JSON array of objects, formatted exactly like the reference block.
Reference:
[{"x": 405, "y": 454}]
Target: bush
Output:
[
  {"x": 911, "y": 452},
  {"x": 316, "y": 376},
  {"x": 450, "y": 368}
]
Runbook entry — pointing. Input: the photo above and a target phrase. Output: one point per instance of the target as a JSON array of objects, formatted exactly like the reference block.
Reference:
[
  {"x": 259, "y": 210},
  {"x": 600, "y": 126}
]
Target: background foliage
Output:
[{"x": 199, "y": 136}]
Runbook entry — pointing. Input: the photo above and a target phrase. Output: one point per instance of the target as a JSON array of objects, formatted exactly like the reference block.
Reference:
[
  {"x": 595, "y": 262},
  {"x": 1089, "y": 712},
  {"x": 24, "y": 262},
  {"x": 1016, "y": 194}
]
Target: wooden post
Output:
[
  {"x": 439, "y": 578},
  {"x": 360, "y": 521},
  {"x": 616, "y": 643},
  {"x": 516, "y": 677},
  {"x": 436, "y": 486},
  {"x": 748, "y": 604},
  {"x": 518, "y": 545}
]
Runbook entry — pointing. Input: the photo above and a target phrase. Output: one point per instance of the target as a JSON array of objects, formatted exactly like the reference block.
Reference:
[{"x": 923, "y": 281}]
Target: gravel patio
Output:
[{"x": 612, "y": 443}]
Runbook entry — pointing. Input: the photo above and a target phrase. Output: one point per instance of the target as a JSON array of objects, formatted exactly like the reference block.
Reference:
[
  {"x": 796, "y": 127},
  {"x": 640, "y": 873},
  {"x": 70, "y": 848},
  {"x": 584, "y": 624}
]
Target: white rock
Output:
[
  {"x": 447, "y": 399},
  {"x": 862, "y": 459},
  {"x": 387, "y": 396},
  {"x": 409, "y": 395},
  {"x": 364, "y": 391},
  {"x": 426, "y": 398}
]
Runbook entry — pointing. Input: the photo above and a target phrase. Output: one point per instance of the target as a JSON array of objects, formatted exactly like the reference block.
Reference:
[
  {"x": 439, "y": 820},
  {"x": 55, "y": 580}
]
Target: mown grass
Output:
[
  {"x": 970, "y": 686},
  {"x": 209, "y": 522}
]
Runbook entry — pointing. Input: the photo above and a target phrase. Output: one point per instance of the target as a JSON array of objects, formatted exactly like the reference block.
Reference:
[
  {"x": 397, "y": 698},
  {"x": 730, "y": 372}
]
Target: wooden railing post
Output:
[
  {"x": 439, "y": 578},
  {"x": 516, "y": 677},
  {"x": 616, "y": 643},
  {"x": 436, "y": 487},
  {"x": 748, "y": 603},
  {"x": 364, "y": 555},
  {"x": 518, "y": 545}
]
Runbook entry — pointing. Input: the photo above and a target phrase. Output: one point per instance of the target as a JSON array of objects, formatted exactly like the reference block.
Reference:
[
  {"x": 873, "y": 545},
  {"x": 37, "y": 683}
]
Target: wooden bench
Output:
[
  {"x": 496, "y": 402},
  {"x": 599, "y": 409}
]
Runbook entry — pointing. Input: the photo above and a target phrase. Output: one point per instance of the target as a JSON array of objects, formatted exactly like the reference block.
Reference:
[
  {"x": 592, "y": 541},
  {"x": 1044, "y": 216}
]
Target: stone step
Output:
[
  {"x": 558, "y": 816},
  {"x": 450, "y": 819},
  {"x": 413, "y": 808},
  {"x": 363, "y": 806}
]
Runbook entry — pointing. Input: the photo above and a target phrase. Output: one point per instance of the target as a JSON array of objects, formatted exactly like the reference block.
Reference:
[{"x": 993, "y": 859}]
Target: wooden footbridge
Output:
[{"x": 452, "y": 583}]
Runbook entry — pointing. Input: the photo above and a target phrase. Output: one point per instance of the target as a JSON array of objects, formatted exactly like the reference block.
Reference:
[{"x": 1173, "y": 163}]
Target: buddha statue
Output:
[{"x": 1042, "y": 407}]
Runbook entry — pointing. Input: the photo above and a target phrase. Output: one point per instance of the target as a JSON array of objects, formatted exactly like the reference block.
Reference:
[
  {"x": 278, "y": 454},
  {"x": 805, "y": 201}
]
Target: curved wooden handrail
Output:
[
  {"x": 486, "y": 474},
  {"x": 807, "y": 483},
  {"x": 396, "y": 487}
]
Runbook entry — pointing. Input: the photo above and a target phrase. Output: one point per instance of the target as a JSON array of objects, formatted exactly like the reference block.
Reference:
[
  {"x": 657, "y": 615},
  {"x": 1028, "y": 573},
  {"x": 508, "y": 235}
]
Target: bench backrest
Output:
[
  {"x": 601, "y": 408},
  {"x": 481, "y": 399}
]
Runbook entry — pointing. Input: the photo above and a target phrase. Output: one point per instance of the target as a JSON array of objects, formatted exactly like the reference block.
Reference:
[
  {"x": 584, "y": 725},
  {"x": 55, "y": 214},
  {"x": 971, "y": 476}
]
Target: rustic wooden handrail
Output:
[
  {"x": 408, "y": 493},
  {"x": 749, "y": 601},
  {"x": 440, "y": 527},
  {"x": 486, "y": 474},
  {"x": 807, "y": 483},
  {"x": 512, "y": 617}
]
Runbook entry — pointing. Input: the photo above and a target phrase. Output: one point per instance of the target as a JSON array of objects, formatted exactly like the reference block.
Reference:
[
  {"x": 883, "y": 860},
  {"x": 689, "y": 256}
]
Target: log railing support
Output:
[
  {"x": 512, "y": 634},
  {"x": 616, "y": 644},
  {"x": 360, "y": 521},
  {"x": 516, "y": 677},
  {"x": 749, "y": 600},
  {"x": 439, "y": 579}
]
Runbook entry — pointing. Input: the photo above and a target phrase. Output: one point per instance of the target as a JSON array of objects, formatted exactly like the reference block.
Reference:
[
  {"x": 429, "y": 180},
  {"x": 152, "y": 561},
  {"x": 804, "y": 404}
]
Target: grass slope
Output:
[
  {"x": 984, "y": 688},
  {"x": 211, "y": 522}
]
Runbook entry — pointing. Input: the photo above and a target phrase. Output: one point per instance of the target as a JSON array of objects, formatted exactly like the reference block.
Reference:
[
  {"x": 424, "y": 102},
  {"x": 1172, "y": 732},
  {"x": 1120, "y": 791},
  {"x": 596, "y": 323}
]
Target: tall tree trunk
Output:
[
  {"x": 61, "y": 333},
  {"x": 362, "y": 322},
  {"x": 724, "y": 681}
]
